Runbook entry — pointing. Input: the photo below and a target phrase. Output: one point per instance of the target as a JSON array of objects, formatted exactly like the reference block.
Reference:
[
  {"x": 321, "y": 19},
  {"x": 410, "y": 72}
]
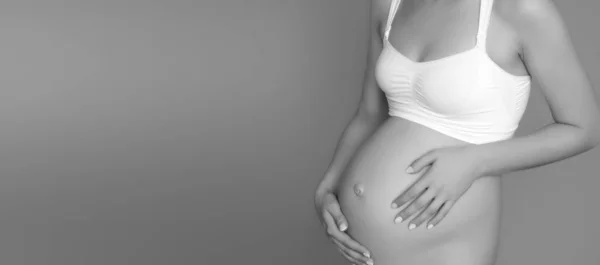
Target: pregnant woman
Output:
[{"x": 415, "y": 178}]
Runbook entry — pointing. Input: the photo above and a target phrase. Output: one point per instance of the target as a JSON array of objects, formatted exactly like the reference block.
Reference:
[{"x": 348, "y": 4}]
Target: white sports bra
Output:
[{"x": 466, "y": 96}]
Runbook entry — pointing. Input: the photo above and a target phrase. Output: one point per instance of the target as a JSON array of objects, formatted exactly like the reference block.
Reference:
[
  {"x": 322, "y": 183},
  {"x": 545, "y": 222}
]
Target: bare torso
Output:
[{"x": 468, "y": 235}]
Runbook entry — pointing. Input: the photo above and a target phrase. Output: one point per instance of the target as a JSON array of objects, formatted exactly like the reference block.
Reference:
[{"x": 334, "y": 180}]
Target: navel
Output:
[{"x": 359, "y": 189}]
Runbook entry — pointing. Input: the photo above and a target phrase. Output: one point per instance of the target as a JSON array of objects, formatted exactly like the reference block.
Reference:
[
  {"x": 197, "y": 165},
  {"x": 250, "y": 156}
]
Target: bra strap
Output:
[
  {"x": 485, "y": 13},
  {"x": 392, "y": 13}
]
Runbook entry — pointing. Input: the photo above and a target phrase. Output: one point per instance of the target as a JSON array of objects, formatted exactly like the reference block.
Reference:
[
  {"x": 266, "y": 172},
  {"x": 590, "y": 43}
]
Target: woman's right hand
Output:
[{"x": 335, "y": 224}]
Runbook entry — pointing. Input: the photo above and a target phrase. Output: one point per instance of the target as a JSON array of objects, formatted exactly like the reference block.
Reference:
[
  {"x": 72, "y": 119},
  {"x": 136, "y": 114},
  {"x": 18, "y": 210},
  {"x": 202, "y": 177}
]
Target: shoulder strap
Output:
[
  {"x": 393, "y": 7},
  {"x": 485, "y": 12}
]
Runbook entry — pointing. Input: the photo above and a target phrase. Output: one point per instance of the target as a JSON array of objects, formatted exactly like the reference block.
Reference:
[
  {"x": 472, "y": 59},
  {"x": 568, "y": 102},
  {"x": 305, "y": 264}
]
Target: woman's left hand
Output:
[{"x": 452, "y": 171}]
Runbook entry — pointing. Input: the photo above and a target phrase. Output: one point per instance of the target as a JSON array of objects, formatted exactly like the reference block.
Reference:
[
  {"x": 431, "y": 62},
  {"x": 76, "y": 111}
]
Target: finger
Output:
[
  {"x": 444, "y": 210},
  {"x": 354, "y": 262},
  {"x": 410, "y": 193},
  {"x": 344, "y": 250},
  {"x": 419, "y": 163},
  {"x": 352, "y": 255},
  {"x": 428, "y": 212},
  {"x": 340, "y": 220},
  {"x": 344, "y": 238},
  {"x": 417, "y": 204},
  {"x": 352, "y": 244},
  {"x": 328, "y": 221}
]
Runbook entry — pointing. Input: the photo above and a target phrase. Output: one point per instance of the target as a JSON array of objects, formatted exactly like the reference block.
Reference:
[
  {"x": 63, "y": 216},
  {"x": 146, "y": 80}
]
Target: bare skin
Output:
[{"x": 525, "y": 37}]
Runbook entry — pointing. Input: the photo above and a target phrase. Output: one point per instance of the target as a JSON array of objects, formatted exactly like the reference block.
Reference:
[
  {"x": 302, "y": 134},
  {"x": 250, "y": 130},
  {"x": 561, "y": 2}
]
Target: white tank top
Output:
[{"x": 466, "y": 96}]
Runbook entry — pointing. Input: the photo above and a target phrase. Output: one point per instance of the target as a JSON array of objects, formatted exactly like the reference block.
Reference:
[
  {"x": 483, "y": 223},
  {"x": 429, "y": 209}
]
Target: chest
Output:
[{"x": 425, "y": 31}]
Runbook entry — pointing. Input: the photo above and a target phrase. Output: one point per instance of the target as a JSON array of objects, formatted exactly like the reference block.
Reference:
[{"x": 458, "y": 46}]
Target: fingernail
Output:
[
  {"x": 411, "y": 226},
  {"x": 409, "y": 170},
  {"x": 343, "y": 227},
  {"x": 394, "y": 205},
  {"x": 367, "y": 254},
  {"x": 370, "y": 262},
  {"x": 398, "y": 219},
  {"x": 429, "y": 226}
]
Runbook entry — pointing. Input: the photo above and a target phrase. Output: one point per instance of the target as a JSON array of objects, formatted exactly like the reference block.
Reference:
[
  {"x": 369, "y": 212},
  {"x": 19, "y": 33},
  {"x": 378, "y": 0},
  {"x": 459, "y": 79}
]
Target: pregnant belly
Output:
[{"x": 468, "y": 235}]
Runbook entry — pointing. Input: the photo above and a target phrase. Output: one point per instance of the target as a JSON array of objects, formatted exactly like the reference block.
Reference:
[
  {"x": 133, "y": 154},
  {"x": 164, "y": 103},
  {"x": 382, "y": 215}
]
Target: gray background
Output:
[{"x": 195, "y": 132}]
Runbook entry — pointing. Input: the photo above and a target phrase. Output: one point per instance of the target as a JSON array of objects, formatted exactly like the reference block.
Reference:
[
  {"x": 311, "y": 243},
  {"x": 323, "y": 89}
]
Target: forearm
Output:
[
  {"x": 551, "y": 143},
  {"x": 357, "y": 131}
]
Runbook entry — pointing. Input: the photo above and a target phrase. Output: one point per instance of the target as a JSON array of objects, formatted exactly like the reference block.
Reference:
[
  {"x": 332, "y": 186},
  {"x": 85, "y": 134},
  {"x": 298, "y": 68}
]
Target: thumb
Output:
[
  {"x": 336, "y": 213},
  {"x": 419, "y": 163}
]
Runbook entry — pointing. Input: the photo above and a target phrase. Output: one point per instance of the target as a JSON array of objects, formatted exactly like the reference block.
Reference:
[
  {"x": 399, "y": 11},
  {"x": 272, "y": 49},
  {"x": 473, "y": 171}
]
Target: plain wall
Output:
[{"x": 194, "y": 132}]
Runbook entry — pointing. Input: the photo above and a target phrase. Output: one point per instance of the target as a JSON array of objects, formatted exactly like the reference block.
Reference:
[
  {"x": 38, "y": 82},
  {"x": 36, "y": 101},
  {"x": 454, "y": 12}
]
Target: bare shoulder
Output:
[
  {"x": 379, "y": 12},
  {"x": 381, "y": 6},
  {"x": 531, "y": 18}
]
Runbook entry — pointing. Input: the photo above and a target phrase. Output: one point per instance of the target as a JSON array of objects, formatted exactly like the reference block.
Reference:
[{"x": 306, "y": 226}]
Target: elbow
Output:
[{"x": 593, "y": 135}]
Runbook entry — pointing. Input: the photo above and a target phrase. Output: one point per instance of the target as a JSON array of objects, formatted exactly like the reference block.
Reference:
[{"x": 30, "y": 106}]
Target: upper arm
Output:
[
  {"x": 550, "y": 58},
  {"x": 373, "y": 103}
]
